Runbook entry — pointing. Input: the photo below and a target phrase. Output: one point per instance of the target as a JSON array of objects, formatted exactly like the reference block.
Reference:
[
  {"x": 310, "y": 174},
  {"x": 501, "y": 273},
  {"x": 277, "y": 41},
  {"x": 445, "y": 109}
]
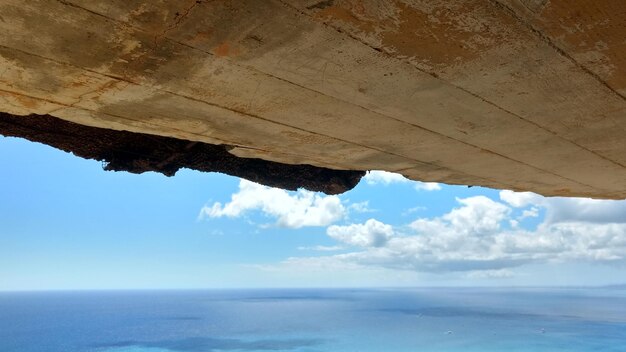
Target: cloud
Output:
[
  {"x": 471, "y": 237},
  {"x": 561, "y": 209},
  {"x": 477, "y": 215},
  {"x": 372, "y": 233},
  {"x": 386, "y": 178},
  {"x": 491, "y": 274},
  {"x": 413, "y": 210},
  {"x": 427, "y": 186},
  {"x": 587, "y": 210},
  {"x": 291, "y": 209},
  {"x": 481, "y": 237},
  {"x": 520, "y": 199},
  {"x": 376, "y": 177},
  {"x": 321, "y": 248},
  {"x": 360, "y": 207},
  {"x": 529, "y": 213}
]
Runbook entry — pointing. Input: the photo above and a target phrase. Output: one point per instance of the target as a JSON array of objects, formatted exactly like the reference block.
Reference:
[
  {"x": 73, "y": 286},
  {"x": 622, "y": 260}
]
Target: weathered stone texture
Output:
[{"x": 516, "y": 94}]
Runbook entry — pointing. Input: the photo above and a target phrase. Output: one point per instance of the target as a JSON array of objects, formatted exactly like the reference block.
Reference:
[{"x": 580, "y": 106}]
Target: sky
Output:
[{"x": 66, "y": 224}]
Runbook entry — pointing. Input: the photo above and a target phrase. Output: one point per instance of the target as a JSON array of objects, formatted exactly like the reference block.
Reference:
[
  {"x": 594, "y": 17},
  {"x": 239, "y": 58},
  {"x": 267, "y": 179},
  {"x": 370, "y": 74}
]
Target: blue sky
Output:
[{"x": 67, "y": 224}]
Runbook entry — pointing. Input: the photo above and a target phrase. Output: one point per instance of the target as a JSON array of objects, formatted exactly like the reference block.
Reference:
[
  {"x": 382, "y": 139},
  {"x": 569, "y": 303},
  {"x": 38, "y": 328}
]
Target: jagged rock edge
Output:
[{"x": 139, "y": 152}]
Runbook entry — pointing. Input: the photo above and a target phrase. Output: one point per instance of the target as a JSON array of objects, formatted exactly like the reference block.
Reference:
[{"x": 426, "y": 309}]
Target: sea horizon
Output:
[
  {"x": 315, "y": 319},
  {"x": 451, "y": 287}
]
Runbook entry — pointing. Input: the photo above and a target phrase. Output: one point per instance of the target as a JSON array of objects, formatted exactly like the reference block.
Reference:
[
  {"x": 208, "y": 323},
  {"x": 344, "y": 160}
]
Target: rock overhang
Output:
[{"x": 515, "y": 94}]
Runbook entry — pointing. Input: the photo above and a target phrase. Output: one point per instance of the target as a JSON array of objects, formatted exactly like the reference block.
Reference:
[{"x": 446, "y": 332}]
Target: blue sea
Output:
[{"x": 315, "y": 320}]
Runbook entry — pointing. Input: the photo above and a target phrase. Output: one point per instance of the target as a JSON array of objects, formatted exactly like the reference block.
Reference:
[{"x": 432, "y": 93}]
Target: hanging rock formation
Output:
[{"x": 516, "y": 94}]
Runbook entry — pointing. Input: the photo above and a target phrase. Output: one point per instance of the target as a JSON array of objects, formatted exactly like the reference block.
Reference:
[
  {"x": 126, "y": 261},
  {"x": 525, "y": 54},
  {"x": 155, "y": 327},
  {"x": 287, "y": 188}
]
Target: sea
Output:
[{"x": 313, "y": 320}]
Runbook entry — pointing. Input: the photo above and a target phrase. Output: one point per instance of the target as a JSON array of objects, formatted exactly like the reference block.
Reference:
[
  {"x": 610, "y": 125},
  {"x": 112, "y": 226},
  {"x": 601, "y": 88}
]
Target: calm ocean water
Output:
[{"x": 315, "y": 320}]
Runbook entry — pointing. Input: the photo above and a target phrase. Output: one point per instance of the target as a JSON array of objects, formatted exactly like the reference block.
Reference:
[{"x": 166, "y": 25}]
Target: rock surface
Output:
[
  {"x": 516, "y": 94},
  {"x": 139, "y": 153}
]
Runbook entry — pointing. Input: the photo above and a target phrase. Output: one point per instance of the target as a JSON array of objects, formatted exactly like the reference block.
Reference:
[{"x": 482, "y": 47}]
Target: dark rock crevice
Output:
[{"x": 139, "y": 152}]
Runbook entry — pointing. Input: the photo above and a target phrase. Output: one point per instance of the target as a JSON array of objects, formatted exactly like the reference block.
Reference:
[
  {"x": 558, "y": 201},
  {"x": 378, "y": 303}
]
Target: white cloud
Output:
[
  {"x": 376, "y": 177},
  {"x": 587, "y": 210},
  {"x": 529, "y": 213},
  {"x": 520, "y": 199},
  {"x": 372, "y": 233},
  {"x": 386, "y": 178},
  {"x": 561, "y": 209},
  {"x": 321, "y": 248},
  {"x": 427, "y": 186},
  {"x": 471, "y": 238},
  {"x": 360, "y": 207},
  {"x": 477, "y": 216},
  {"x": 413, "y": 210},
  {"x": 292, "y": 210},
  {"x": 491, "y": 274}
]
